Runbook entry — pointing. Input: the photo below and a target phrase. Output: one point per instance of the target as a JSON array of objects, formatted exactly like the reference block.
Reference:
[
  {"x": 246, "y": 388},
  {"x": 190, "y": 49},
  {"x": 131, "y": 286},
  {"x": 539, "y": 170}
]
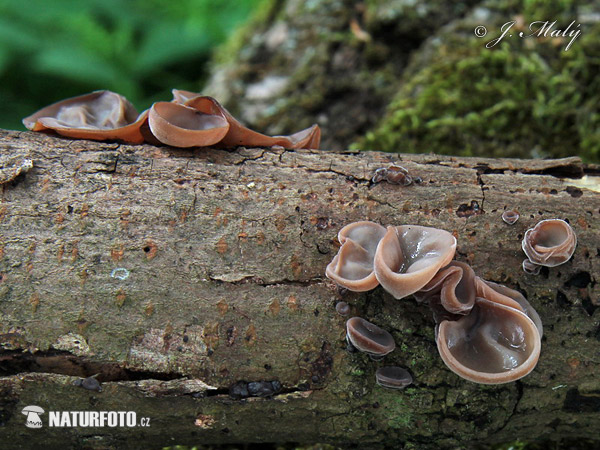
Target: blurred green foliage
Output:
[
  {"x": 524, "y": 97},
  {"x": 54, "y": 49}
]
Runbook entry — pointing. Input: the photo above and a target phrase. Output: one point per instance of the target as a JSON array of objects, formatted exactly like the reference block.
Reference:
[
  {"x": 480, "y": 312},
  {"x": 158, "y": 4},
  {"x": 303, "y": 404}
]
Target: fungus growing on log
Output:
[
  {"x": 368, "y": 337},
  {"x": 493, "y": 344},
  {"x": 550, "y": 243},
  {"x": 352, "y": 267},
  {"x": 182, "y": 126},
  {"x": 510, "y": 217},
  {"x": 409, "y": 256},
  {"x": 189, "y": 120},
  {"x": 531, "y": 268},
  {"x": 100, "y": 116},
  {"x": 393, "y": 377}
]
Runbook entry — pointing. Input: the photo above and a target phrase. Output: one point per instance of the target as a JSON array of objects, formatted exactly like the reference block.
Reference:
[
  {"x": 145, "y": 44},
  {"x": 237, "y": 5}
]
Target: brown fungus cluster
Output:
[
  {"x": 188, "y": 120},
  {"x": 485, "y": 332}
]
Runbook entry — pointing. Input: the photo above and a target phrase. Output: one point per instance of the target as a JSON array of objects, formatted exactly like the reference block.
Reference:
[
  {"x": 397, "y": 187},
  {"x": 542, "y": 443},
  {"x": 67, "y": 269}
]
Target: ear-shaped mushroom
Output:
[
  {"x": 369, "y": 338},
  {"x": 393, "y": 377},
  {"x": 352, "y": 267},
  {"x": 409, "y": 256},
  {"x": 499, "y": 293},
  {"x": 100, "y": 115},
  {"x": 455, "y": 284},
  {"x": 493, "y": 344},
  {"x": 182, "y": 126},
  {"x": 240, "y": 135},
  {"x": 550, "y": 243}
]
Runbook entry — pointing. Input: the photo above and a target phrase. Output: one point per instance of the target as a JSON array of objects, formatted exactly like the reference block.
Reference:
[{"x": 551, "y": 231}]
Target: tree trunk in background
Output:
[{"x": 174, "y": 274}]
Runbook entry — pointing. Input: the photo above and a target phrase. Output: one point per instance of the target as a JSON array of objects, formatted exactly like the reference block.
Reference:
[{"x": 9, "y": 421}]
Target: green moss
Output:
[{"x": 523, "y": 97}]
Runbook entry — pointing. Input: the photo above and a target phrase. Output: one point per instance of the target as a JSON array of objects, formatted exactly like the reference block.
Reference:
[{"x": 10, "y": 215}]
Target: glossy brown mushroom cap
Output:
[
  {"x": 409, "y": 256},
  {"x": 494, "y": 344},
  {"x": 550, "y": 243},
  {"x": 238, "y": 134},
  {"x": 181, "y": 126},
  {"x": 393, "y": 377},
  {"x": 352, "y": 267},
  {"x": 100, "y": 115},
  {"x": 455, "y": 285},
  {"x": 368, "y": 337}
]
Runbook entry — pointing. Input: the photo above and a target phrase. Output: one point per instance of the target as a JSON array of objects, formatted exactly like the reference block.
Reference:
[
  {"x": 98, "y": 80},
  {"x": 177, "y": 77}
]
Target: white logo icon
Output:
[{"x": 33, "y": 416}]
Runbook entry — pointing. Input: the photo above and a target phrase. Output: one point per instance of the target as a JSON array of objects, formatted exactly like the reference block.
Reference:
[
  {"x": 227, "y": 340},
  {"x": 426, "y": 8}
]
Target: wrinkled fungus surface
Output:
[
  {"x": 352, "y": 267},
  {"x": 550, "y": 243},
  {"x": 189, "y": 120},
  {"x": 409, "y": 256},
  {"x": 455, "y": 285}
]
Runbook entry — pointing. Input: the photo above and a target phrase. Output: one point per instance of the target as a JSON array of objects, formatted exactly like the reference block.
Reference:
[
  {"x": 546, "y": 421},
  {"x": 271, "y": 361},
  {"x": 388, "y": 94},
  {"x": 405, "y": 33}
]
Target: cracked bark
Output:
[{"x": 173, "y": 274}]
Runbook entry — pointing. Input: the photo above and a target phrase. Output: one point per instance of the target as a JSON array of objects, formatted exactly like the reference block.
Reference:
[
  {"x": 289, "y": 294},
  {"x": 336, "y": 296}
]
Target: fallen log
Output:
[{"x": 176, "y": 277}]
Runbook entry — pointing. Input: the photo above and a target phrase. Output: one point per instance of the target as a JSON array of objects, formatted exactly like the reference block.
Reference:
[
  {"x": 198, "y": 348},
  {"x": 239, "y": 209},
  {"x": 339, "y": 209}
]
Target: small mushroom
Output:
[
  {"x": 352, "y": 267},
  {"x": 510, "y": 217},
  {"x": 455, "y": 285},
  {"x": 182, "y": 126},
  {"x": 369, "y": 338},
  {"x": 393, "y": 377},
  {"x": 342, "y": 308},
  {"x": 100, "y": 115},
  {"x": 238, "y": 134},
  {"x": 493, "y": 344},
  {"x": 409, "y": 256},
  {"x": 550, "y": 243},
  {"x": 531, "y": 268}
]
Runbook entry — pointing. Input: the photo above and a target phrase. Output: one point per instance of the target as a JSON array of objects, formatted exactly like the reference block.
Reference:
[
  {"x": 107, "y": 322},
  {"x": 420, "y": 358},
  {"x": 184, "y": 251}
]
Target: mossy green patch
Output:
[{"x": 523, "y": 97}]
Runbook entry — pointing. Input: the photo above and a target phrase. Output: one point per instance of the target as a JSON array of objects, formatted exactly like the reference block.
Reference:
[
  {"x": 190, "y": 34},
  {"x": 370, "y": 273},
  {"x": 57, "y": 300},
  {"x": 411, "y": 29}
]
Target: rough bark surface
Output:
[{"x": 164, "y": 271}]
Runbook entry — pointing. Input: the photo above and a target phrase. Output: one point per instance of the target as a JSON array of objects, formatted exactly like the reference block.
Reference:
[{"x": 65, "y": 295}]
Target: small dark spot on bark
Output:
[
  {"x": 303, "y": 387},
  {"x": 472, "y": 209},
  {"x": 185, "y": 338},
  {"x": 297, "y": 209},
  {"x": 180, "y": 348},
  {"x": 520, "y": 237},
  {"x": 267, "y": 367},
  {"x": 316, "y": 312},
  {"x": 146, "y": 249},
  {"x": 567, "y": 220},
  {"x": 545, "y": 272},
  {"x": 553, "y": 191},
  {"x": 209, "y": 352},
  {"x": 376, "y": 405},
  {"x": 323, "y": 223},
  {"x": 69, "y": 209},
  {"x": 579, "y": 280},
  {"x": 562, "y": 300},
  {"x": 225, "y": 430},
  {"x": 575, "y": 402},
  {"x": 574, "y": 192}
]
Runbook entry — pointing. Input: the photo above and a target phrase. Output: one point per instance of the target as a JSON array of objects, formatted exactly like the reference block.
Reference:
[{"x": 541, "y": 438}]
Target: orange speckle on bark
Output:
[
  {"x": 183, "y": 216},
  {"x": 29, "y": 267},
  {"x": 84, "y": 210},
  {"x": 582, "y": 223},
  {"x": 60, "y": 253},
  {"x": 120, "y": 298},
  {"x": 75, "y": 251},
  {"x": 280, "y": 224},
  {"x": 250, "y": 335},
  {"x": 45, "y": 184},
  {"x": 222, "y": 246},
  {"x": 274, "y": 307},
  {"x": 83, "y": 275},
  {"x": 296, "y": 266},
  {"x": 60, "y": 218},
  {"x": 217, "y": 211},
  {"x": 222, "y": 306},
  {"x": 292, "y": 303},
  {"x": 260, "y": 238},
  {"x": 124, "y": 218},
  {"x": 34, "y": 300},
  {"x": 243, "y": 236},
  {"x": 150, "y": 249},
  {"x": 149, "y": 309},
  {"x": 117, "y": 252}
]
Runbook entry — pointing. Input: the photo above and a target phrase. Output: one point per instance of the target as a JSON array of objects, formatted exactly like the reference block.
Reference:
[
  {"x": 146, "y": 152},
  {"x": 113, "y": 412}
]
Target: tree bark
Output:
[{"x": 174, "y": 274}]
